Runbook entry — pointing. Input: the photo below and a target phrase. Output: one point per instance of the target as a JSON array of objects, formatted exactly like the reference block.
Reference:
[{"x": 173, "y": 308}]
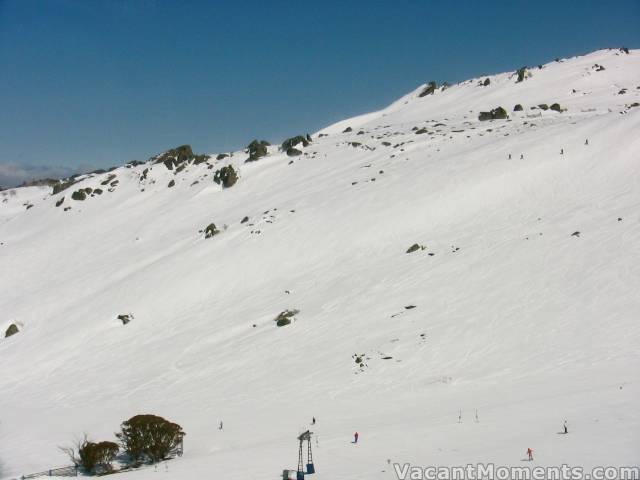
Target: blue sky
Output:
[{"x": 89, "y": 83}]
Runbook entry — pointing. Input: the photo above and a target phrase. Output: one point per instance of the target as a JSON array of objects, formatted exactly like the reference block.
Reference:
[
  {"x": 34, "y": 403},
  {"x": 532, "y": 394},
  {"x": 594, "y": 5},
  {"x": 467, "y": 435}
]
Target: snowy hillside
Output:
[{"x": 524, "y": 303}]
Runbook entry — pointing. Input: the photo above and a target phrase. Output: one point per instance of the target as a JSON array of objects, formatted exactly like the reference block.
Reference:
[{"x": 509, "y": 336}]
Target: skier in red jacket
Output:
[{"x": 530, "y": 454}]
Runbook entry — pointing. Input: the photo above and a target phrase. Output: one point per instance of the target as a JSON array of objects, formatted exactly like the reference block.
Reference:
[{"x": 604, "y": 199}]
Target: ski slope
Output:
[{"x": 514, "y": 317}]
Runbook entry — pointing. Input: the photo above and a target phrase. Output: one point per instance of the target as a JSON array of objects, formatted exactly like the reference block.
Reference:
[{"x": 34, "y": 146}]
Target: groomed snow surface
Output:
[{"x": 514, "y": 316}]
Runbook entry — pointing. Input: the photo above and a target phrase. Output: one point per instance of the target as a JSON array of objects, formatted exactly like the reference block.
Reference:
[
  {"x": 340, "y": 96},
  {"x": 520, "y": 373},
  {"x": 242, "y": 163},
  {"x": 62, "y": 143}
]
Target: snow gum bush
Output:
[{"x": 149, "y": 437}]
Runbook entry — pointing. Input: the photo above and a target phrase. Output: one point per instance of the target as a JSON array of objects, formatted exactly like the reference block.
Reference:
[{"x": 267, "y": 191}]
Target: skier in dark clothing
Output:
[
  {"x": 355, "y": 437},
  {"x": 313, "y": 420},
  {"x": 566, "y": 430}
]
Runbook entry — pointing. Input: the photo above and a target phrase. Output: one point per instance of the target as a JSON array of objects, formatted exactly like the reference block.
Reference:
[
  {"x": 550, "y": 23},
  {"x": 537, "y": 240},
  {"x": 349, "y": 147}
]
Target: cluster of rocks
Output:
[{"x": 495, "y": 114}]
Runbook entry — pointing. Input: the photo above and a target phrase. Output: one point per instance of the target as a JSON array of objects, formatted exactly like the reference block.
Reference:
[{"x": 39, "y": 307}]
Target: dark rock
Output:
[
  {"x": 517, "y": 108},
  {"x": 429, "y": 89},
  {"x": 575, "y": 234},
  {"x": 171, "y": 183},
  {"x": 486, "y": 82},
  {"x": 293, "y": 152},
  {"x": 347, "y": 130},
  {"x": 624, "y": 50},
  {"x": 211, "y": 230},
  {"x": 226, "y": 176},
  {"x": 79, "y": 195},
  {"x": 12, "y": 330},
  {"x": 221, "y": 156},
  {"x": 125, "y": 318},
  {"x": 409, "y": 307},
  {"x": 244, "y": 220},
  {"x": 284, "y": 318},
  {"x": 421, "y": 131},
  {"x": 97, "y": 191},
  {"x": 59, "y": 202},
  {"x": 386, "y": 144},
  {"x": 556, "y": 107}
]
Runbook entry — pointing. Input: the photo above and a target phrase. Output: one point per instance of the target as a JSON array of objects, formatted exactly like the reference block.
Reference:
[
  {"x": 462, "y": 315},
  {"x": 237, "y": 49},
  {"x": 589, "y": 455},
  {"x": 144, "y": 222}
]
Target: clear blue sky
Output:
[{"x": 98, "y": 83}]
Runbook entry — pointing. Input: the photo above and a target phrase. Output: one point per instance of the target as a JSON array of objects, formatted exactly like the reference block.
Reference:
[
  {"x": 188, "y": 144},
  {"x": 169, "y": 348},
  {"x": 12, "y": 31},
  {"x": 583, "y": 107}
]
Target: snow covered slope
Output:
[{"x": 526, "y": 295}]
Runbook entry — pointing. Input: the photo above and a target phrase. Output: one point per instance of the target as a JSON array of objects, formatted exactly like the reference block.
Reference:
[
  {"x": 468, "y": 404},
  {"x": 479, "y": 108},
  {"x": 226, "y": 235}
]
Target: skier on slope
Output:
[
  {"x": 313, "y": 420},
  {"x": 566, "y": 429},
  {"x": 355, "y": 437},
  {"x": 530, "y": 454}
]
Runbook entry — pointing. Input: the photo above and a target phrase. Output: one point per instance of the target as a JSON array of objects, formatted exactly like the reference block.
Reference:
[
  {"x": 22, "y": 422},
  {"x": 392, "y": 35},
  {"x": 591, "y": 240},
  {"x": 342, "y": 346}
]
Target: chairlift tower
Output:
[{"x": 305, "y": 437}]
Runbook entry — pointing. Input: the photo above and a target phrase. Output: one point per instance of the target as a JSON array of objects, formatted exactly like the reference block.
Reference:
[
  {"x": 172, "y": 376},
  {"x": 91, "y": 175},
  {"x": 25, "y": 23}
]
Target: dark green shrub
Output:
[
  {"x": 257, "y": 149},
  {"x": 293, "y": 152},
  {"x": 149, "y": 437},
  {"x": 495, "y": 114},
  {"x": 429, "y": 89},
  {"x": 93, "y": 455},
  {"x": 522, "y": 74},
  {"x": 293, "y": 141},
  {"x": 12, "y": 330},
  {"x": 415, "y": 247},
  {"x": 57, "y": 188},
  {"x": 226, "y": 176},
  {"x": 171, "y": 183},
  {"x": 517, "y": 108},
  {"x": 556, "y": 107},
  {"x": 284, "y": 318},
  {"x": 79, "y": 195}
]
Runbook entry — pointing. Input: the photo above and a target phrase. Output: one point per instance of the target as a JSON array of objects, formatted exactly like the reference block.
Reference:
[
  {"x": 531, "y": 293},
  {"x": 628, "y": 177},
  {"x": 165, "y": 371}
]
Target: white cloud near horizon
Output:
[{"x": 13, "y": 174}]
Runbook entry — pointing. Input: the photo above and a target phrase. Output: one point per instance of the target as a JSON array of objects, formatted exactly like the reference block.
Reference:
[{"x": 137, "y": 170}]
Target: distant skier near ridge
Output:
[
  {"x": 220, "y": 426},
  {"x": 355, "y": 437},
  {"x": 313, "y": 420},
  {"x": 566, "y": 429},
  {"x": 530, "y": 454},
  {"x": 586, "y": 142}
]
